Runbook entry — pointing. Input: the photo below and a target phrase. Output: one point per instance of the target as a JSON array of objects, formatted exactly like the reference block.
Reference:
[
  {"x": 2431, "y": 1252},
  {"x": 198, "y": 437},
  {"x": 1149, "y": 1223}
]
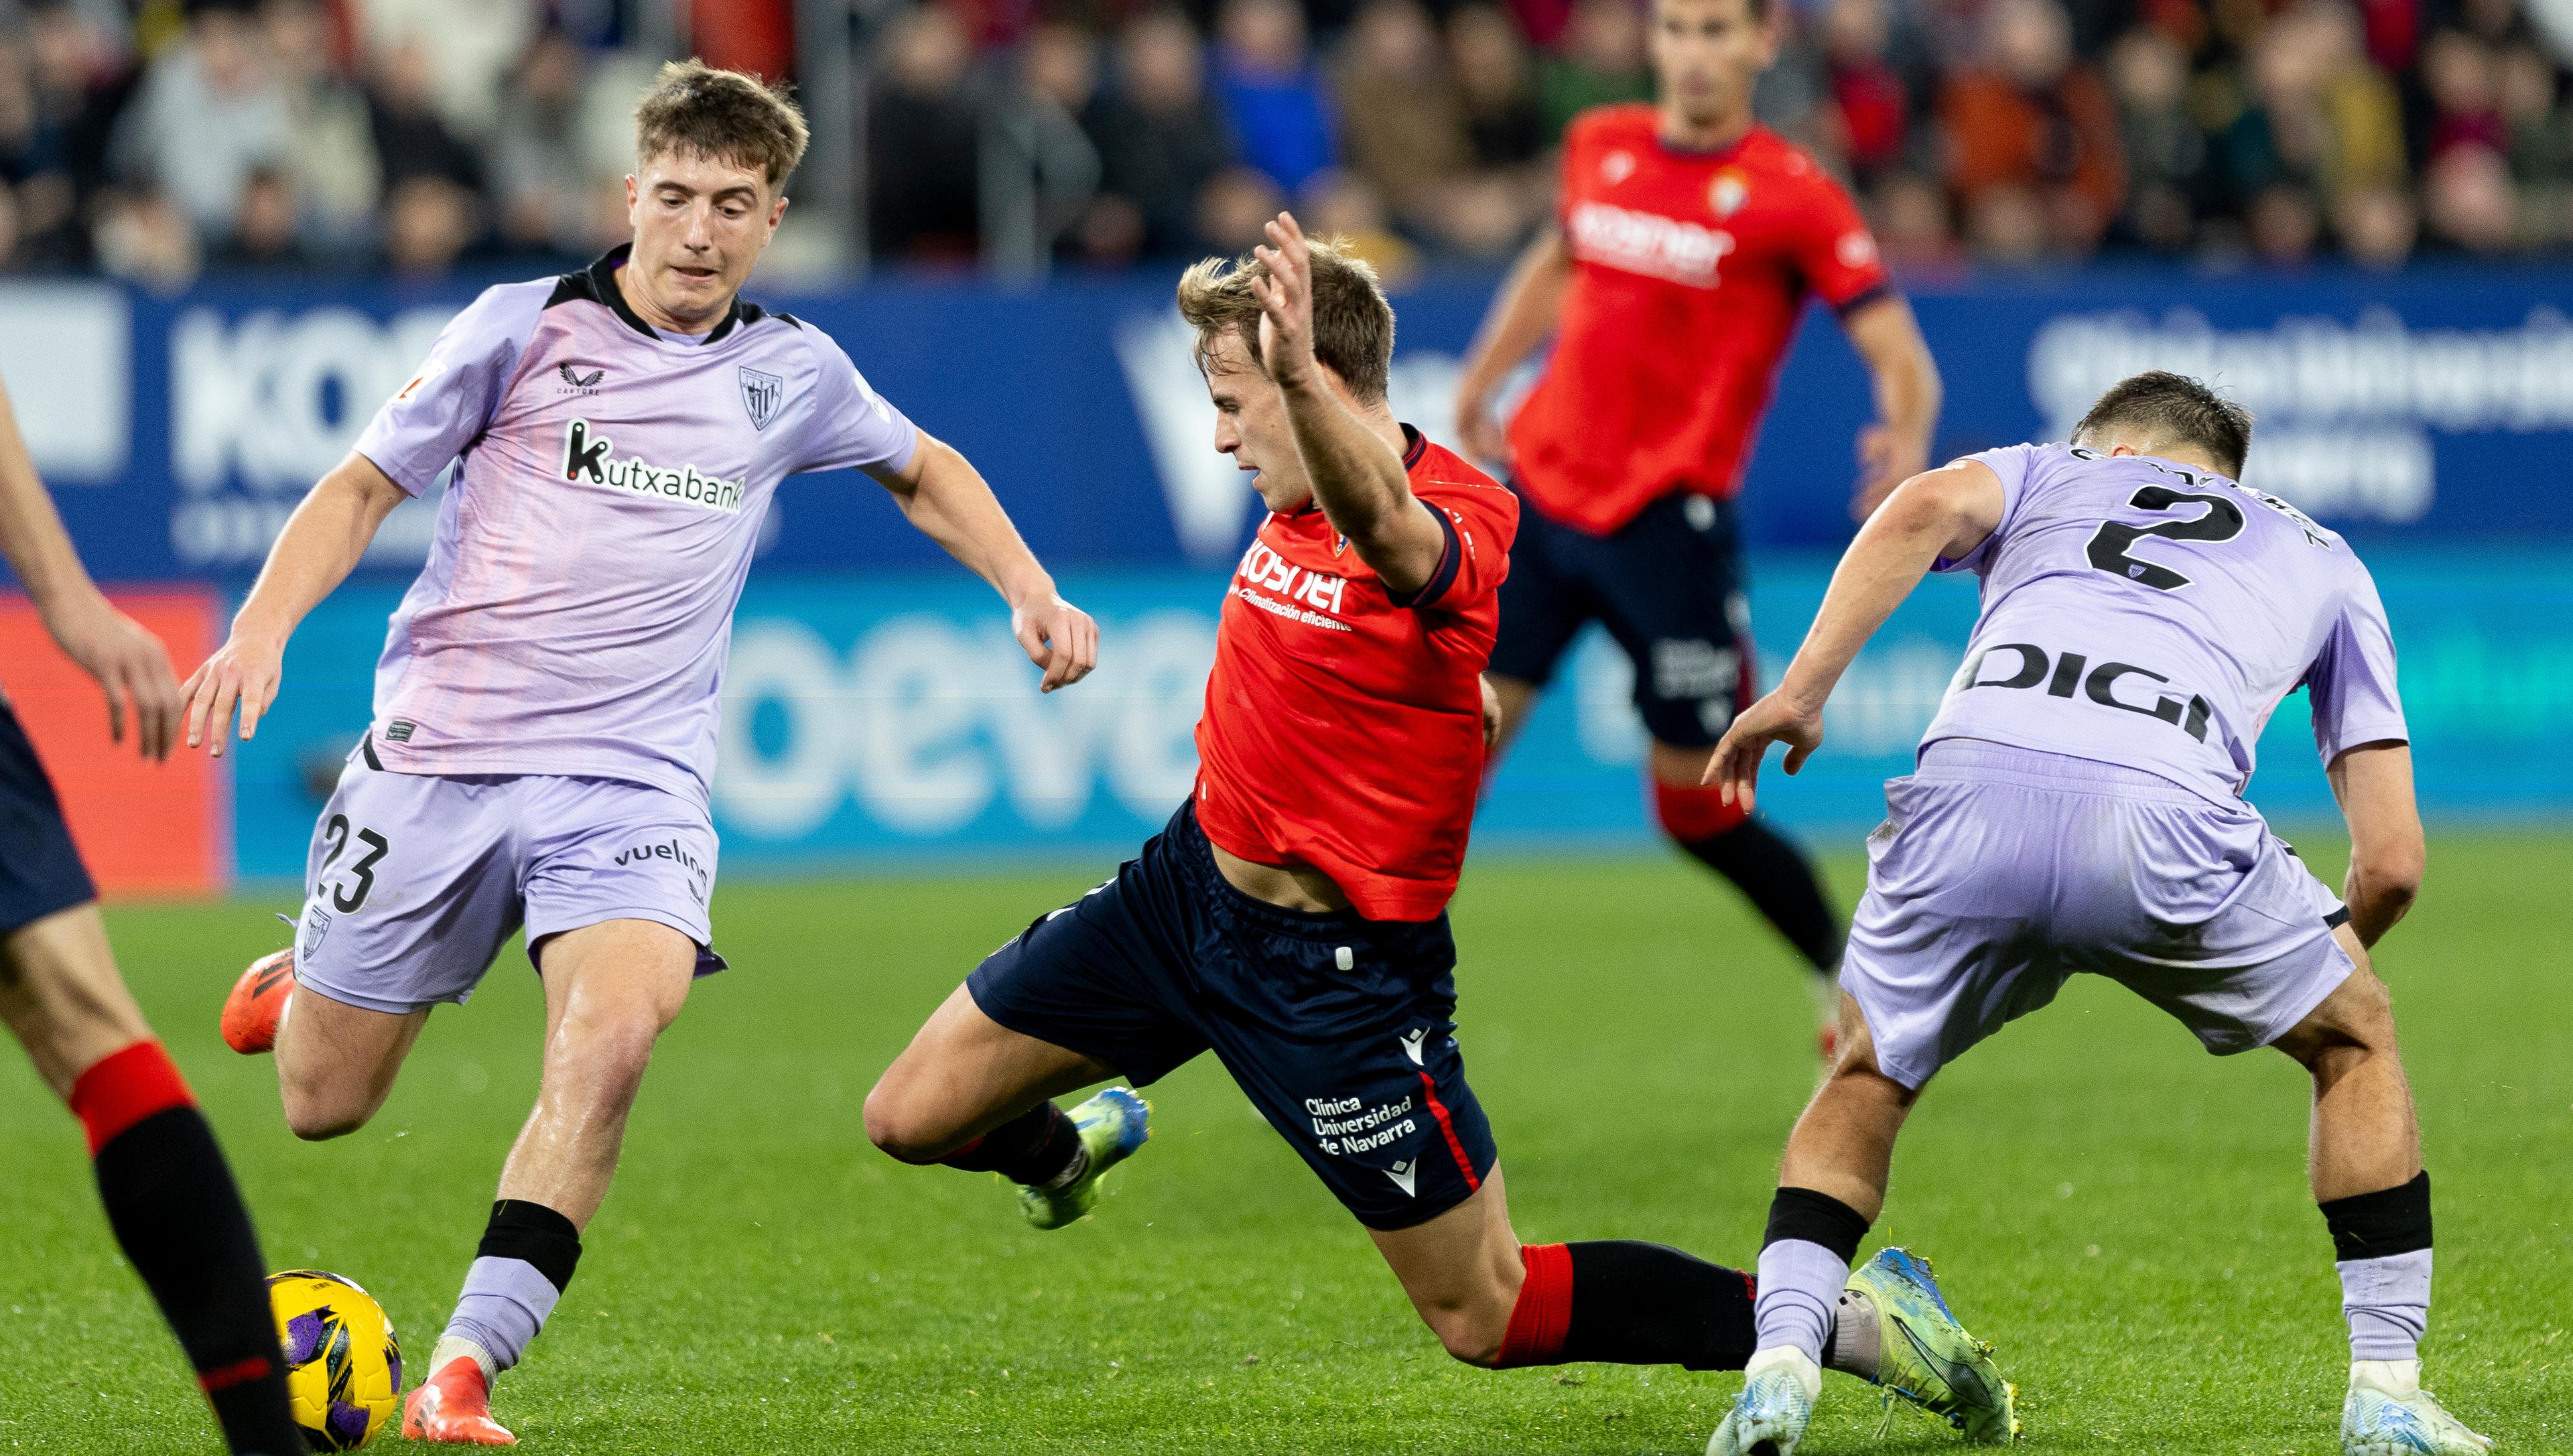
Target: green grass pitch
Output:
[{"x": 2125, "y": 1216}]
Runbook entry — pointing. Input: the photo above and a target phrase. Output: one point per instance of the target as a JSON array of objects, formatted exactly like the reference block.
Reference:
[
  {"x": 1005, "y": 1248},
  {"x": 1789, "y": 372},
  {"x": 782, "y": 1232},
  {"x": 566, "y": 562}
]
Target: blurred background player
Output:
[
  {"x": 170, "y": 1196},
  {"x": 547, "y": 702},
  {"x": 2078, "y": 807},
  {"x": 1688, "y": 238},
  {"x": 1292, "y": 917}
]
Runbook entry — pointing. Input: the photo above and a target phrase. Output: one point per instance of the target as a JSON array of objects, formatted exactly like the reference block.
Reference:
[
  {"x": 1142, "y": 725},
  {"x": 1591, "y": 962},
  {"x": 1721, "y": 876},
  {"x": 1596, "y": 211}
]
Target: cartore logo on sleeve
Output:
[{"x": 590, "y": 457}]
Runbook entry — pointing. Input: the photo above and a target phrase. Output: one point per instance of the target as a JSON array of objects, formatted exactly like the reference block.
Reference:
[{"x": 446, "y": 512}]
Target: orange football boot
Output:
[
  {"x": 455, "y": 1405},
  {"x": 258, "y": 1001}
]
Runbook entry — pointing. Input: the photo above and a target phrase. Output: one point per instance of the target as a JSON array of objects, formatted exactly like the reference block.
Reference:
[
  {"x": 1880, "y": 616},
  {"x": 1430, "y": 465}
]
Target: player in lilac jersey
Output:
[
  {"x": 545, "y": 707},
  {"x": 2077, "y": 807}
]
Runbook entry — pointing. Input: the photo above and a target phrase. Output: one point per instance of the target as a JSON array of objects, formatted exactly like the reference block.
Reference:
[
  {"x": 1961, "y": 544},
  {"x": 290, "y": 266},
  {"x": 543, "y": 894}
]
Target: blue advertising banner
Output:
[
  {"x": 890, "y": 720},
  {"x": 2437, "y": 404}
]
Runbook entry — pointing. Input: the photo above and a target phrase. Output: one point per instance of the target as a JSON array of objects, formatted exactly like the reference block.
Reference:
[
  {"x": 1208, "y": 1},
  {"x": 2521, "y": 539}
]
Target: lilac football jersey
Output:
[
  {"x": 2145, "y": 613},
  {"x": 578, "y": 602}
]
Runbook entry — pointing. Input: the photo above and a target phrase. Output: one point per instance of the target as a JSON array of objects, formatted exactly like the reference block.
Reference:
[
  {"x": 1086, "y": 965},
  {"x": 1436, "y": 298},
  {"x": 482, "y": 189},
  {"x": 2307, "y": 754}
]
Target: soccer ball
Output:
[{"x": 343, "y": 1364}]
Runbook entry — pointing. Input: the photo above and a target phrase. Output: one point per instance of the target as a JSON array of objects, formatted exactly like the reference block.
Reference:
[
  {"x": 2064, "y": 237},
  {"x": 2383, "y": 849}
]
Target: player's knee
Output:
[
  {"x": 317, "y": 1112},
  {"x": 1472, "y": 1331},
  {"x": 896, "y": 1125},
  {"x": 611, "y": 1046},
  {"x": 2354, "y": 1023}
]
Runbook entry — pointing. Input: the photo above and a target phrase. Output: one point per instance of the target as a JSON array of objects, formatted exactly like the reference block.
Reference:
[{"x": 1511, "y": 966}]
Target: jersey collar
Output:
[
  {"x": 598, "y": 283},
  {"x": 1725, "y": 152}
]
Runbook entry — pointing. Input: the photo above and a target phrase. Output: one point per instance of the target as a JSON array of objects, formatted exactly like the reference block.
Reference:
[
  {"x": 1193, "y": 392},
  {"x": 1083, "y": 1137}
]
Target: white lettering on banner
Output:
[
  {"x": 1210, "y": 498},
  {"x": 263, "y": 406},
  {"x": 2345, "y": 408},
  {"x": 65, "y": 352},
  {"x": 930, "y": 722}
]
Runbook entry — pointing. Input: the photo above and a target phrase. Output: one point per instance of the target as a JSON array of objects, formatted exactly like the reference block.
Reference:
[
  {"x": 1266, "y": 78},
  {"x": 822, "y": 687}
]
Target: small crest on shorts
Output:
[
  {"x": 317, "y": 923},
  {"x": 760, "y": 394}
]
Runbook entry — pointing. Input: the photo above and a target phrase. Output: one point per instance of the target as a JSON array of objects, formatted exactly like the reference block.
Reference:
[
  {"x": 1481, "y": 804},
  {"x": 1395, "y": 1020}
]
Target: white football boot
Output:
[
  {"x": 2389, "y": 1414},
  {"x": 1777, "y": 1401}
]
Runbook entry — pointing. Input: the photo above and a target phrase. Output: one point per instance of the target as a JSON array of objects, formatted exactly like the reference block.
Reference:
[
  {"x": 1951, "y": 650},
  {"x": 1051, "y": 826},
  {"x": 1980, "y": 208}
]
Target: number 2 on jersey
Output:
[{"x": 2108, "y": 546}]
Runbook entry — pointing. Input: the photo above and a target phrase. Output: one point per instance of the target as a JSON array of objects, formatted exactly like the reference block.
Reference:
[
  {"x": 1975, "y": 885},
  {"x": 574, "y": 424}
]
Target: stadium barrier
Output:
[{"x": 880, "y": 715}]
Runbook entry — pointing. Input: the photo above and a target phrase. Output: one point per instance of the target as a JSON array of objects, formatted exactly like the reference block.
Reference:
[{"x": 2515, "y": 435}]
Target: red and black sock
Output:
[
  {"x": 1040, "y": 1148},
  {"x": 172, "y": 1203},
  {"x": 1627, "y": 1302},
  {"x": 1774, "y": 874}
]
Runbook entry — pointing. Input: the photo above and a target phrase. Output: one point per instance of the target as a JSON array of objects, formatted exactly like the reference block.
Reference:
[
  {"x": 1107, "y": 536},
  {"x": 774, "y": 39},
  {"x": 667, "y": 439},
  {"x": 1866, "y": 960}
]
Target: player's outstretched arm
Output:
[
  {"x": 320, "y": 545},
  {"x": 942, "y": 494},
  {"x": 129, "y": 662},
  {"x": 2388, "y": 854},
  {"x": 1908, "y": 394},
  {"x": 1523, "y": 316},
  {"x": 1942, "y": 512},
  {"x": 1357, "y": 477}
]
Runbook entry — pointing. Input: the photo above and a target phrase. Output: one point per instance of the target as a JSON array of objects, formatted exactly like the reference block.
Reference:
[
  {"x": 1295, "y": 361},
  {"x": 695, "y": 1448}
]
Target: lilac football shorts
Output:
[
  {"x": 2001, "y": 871},
  {"x": 416, "y": 881}
]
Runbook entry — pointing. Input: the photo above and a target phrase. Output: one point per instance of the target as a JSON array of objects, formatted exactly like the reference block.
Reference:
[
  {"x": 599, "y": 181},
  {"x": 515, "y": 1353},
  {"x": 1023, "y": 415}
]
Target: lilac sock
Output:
[
  {"x": 504, "y": 1303},
  {"x": 1800, "y": 1285},
  {"x": 2387, "y": 1303}
]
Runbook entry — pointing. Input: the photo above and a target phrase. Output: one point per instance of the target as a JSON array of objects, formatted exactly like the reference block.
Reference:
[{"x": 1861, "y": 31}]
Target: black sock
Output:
[
  {"x": 1637, "y": 1303},
  {"x": 1772, "y": 872},
  {"x": 1035, "y": 1148},
  {"x": 171, "y": 1200}
]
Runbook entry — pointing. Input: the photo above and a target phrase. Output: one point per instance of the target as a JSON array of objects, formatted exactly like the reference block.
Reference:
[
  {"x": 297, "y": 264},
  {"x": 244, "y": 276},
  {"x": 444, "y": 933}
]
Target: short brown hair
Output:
[
  {"x": 2164, "y": 408},
  {"x": 726, "y": 116},
  {"x": 1353, "y": 323}
]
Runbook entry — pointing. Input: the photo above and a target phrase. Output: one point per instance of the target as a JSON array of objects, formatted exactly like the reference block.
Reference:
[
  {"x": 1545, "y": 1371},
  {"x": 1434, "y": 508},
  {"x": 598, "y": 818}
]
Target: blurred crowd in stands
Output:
[{"x": 155, "y": 139}]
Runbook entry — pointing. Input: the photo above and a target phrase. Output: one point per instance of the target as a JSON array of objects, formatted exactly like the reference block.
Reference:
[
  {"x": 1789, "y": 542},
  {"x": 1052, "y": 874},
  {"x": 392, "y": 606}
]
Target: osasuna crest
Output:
[
  {"x": 760, "y": 394},
  {"x": 317, "y": 923}
]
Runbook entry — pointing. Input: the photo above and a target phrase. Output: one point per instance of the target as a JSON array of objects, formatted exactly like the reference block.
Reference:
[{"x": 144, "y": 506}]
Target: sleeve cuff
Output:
[
  {"x": 1864, "y": 298},
  {"x": 412, "y": 485},
  {"x": 1441, "y": 576}
]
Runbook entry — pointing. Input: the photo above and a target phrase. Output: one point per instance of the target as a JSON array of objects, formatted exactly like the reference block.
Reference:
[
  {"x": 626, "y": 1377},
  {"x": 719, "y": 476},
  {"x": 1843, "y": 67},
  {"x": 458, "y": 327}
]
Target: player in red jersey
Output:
[
  {"x": 1687, "y": 240},
  {"x": 1291, "y": 917}
]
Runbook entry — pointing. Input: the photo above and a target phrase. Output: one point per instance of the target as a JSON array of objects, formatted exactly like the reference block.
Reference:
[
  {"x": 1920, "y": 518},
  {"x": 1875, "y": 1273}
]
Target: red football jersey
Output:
[
  {"x": 1343, "y": 728},
  {"x": 1688, "y": 271}
]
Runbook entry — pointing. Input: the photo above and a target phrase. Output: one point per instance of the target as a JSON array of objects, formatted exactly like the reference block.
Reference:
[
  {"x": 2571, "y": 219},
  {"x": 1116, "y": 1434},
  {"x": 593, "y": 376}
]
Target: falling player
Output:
[
  {"x": 2078, "y": 807},
  {"x": 1687, "y": 242},
  {"x": 546, "y": 705},
  {"x": 1292, "y": 917},
  {"x": 170, "y": 1196}
]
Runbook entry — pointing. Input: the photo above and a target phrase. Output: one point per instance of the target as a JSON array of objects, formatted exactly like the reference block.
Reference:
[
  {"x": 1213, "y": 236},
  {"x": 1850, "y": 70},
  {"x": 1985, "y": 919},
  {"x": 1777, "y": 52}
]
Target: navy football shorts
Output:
[
  {"x": 1669, "y": 587},
  {"x": 40, "y": 871},
  {"x": 1341, "y": 1030}
]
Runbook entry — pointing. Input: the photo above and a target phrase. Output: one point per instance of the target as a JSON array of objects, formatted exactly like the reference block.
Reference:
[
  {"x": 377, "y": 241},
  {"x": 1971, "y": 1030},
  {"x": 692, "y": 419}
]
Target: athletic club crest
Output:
[
  {"x": 317, "y": 923},
  {"x": 759, "y": 394}
]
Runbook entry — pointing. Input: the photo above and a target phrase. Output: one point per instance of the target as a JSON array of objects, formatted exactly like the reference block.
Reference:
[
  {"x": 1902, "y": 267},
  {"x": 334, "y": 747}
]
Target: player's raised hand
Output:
[
  {"x": 1477, "y": 426},
  {"x": 130, "y": 663},
  {"x": 1059, "y": 637},
  {"x": 1285, "y": 302},
  {"x": 242, "y": 673},
  {"x": 1734, "y": 769},
  {"x": 1885, "y": 459}
]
